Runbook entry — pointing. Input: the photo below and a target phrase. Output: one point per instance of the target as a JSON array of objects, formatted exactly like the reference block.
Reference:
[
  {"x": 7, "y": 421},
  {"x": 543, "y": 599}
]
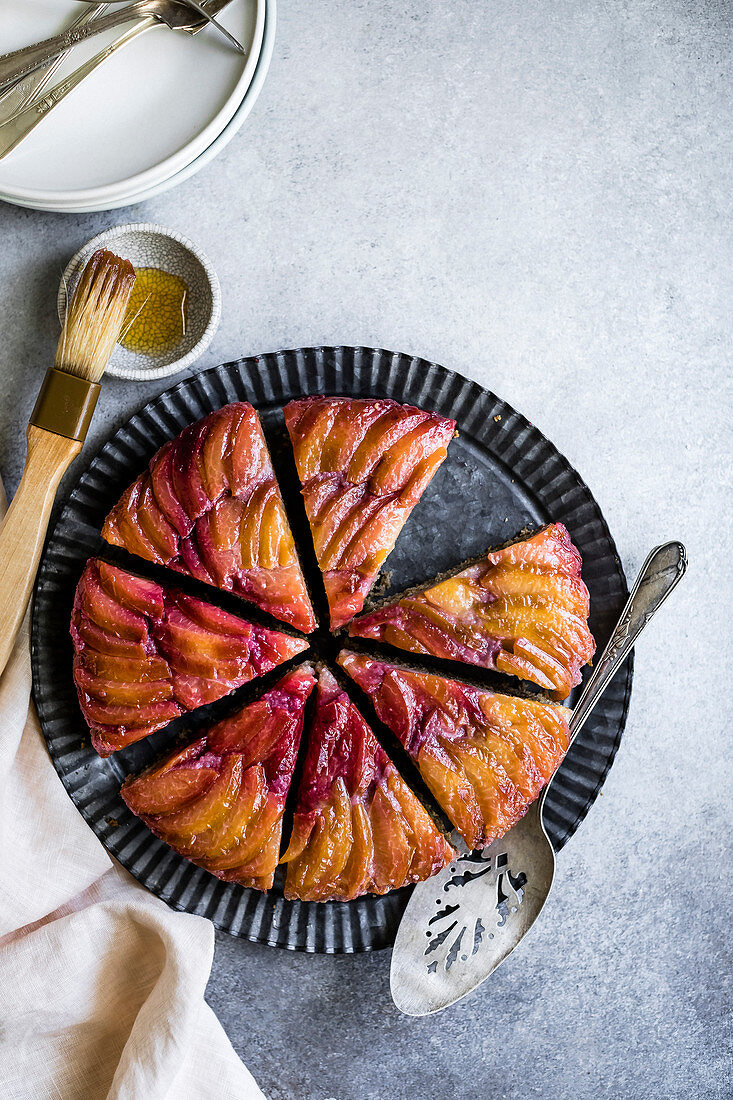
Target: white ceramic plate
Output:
[
  {"x": 144, "y": 116},
  {"x": 208, "y": 155}
]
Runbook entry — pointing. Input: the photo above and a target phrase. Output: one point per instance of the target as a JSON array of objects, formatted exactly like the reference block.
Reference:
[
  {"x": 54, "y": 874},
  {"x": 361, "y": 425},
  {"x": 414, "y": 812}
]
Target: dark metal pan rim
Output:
[{"x": 493, "y": 433}]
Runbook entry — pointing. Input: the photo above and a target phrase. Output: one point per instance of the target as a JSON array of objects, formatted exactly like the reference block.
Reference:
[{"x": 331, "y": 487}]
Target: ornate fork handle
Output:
[
  {"x": 21, "y": 62},
  {"x": 661, "y": 572},
  {"x": 20, "y": 125},
  {"x": 22, "y": 91}
]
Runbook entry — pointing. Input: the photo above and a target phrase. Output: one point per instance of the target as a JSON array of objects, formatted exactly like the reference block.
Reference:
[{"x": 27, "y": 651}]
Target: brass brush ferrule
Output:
[
  {"x": 91, "y": 329},
  {"x": 65, "y": 404}
]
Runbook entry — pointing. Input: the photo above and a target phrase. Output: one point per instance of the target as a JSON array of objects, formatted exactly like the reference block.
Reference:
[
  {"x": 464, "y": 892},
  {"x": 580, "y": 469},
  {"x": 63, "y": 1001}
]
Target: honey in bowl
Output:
[{"x": 156, "y": 317}]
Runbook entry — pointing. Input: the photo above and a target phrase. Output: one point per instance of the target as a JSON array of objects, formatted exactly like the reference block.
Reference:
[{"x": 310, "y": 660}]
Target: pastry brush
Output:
[{"x": 58, "y": 428}]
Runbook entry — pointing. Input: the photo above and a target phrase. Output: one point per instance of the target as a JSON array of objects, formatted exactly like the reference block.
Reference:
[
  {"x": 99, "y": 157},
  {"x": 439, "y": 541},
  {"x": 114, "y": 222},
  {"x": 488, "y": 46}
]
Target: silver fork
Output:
[
  {"x": 169, "y": 12},
  {"x": 182, "y": 17},
  {"x": 19, "y": 94}
]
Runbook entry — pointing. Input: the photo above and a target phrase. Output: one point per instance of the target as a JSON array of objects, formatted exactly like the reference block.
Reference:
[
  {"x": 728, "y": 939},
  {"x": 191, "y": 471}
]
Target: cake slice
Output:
[
  {"x": 219, "y": 802},
  {"x": 522, "y": 610},
  {"x": 363, "y": 466},
  {"x": 357, "y": 827},
  {"x": 485, "y": 756},
  {"x": 209, "y": 506},
  {"x": 144, "y": 654}
]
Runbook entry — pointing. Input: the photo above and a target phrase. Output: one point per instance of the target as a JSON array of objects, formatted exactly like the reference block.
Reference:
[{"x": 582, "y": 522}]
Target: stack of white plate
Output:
[{"x": 148, "y": 118}]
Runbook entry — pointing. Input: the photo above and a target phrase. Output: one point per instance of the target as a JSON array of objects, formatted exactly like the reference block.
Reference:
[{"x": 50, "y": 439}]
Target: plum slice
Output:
[
  {"x": 522, "y": 610},
  {"x": 209, "y": 506},
  {"x": 219, "y": 801},
  {"x": 357, "y": 827},
  {"x": 485, "y": 756},
  {"x": 144, "y": 654},
  {"x": 363, "y": 465}
]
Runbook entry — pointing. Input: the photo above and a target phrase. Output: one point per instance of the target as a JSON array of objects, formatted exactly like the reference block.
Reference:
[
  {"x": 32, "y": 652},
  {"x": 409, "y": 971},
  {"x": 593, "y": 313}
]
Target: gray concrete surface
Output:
[{"x": 539, "y": 196}]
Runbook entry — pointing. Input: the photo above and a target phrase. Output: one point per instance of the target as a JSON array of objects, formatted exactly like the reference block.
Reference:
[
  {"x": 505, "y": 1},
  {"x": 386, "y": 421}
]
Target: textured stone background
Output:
[{"x": 537, "y": 195}]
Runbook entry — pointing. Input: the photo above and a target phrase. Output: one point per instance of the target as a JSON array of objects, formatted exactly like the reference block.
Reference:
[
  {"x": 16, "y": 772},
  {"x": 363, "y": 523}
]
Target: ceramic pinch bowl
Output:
[{"x": 152, "y": 246}]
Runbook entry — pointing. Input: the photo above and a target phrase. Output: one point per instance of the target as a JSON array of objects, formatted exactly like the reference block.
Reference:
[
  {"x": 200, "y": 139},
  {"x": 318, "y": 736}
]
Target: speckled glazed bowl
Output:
[{"x": 147, "y": 245}]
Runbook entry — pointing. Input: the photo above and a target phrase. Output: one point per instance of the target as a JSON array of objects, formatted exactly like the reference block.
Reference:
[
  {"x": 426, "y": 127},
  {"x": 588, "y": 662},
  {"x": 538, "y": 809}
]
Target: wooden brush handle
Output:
[{"x": 23, "y": 531}]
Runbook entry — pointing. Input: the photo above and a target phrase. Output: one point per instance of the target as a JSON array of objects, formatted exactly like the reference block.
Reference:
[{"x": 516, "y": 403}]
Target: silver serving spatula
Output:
[{"x": 459, "y": 925}]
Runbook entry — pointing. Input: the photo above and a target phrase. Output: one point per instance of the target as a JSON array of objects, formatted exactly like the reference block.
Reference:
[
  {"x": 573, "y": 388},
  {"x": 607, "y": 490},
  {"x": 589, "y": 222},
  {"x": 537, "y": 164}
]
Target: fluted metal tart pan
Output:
[{"x": 501, "y": 475}]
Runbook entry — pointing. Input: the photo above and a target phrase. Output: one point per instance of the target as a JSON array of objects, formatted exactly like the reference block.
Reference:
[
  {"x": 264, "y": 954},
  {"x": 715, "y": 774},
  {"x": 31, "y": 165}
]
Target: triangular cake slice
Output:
[
  {"x": 357, "y": 827},
  {"x": 363, "y": 465},
  {"x": 209, "y": 506},
  {"x": 485, "y": 756},
  {"x": 219, "y": 802},
  {"x": 144, "y": 654},
  {"x": 522, "y": 610}
]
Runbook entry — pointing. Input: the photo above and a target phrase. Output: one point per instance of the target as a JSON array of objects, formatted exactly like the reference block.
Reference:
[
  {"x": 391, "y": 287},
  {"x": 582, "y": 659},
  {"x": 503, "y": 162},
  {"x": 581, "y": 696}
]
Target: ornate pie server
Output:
[{"x": 463, "y": 922}]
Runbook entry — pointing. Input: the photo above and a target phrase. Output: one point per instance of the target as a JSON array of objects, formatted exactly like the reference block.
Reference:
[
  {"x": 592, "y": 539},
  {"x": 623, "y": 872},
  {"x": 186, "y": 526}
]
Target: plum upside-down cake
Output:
[{"x": 146, "y": 652}]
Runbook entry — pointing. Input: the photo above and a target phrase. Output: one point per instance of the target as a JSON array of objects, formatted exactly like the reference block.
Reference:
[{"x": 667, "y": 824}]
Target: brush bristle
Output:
[{"x": 95, "y": 317}]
